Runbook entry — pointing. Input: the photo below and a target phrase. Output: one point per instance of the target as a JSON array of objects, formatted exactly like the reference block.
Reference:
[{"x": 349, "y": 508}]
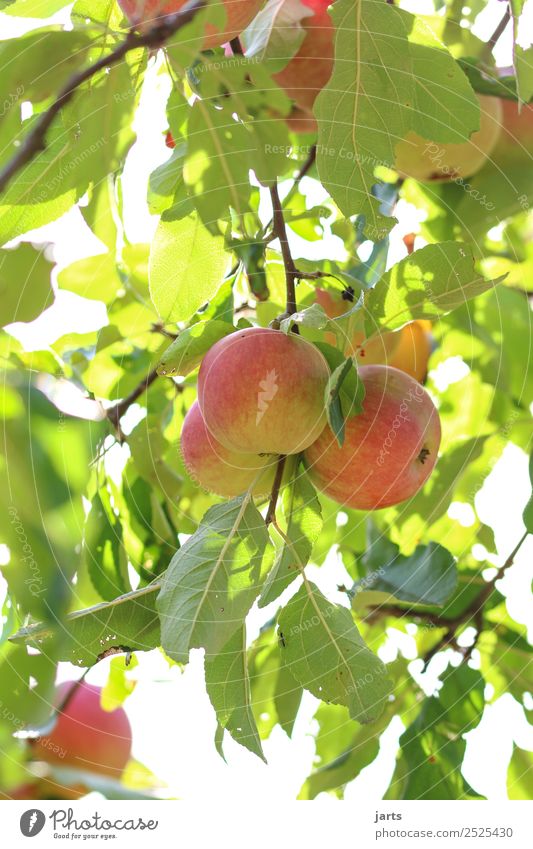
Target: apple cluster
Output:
[{"x": 261, "y": 395}]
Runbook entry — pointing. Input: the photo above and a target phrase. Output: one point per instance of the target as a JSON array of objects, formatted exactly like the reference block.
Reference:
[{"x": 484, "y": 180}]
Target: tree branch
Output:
[
  {"x": 280, "y": 232},
  {"x": 115, "y": 413},
  {"x": 474, "y": 611},
  {"x": 155, "y": 37},
  {"x": 500, "y": 29}
]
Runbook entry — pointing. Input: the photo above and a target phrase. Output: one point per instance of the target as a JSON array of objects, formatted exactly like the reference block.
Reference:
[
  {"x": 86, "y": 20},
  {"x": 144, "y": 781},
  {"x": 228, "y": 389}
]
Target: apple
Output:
[
  {"x": 407, "y": 349},
  {"x": 306, "y": 74},
  {"x": 218, "y": 469},
  {"x": 516, "y": 139},
  {"x": 430, "y": 161},
  {"x": 261, "y": 391},
  {"x": 85, "y": 735},
  {"x": 389, "y": 450},
  {"x": 239, "y": 13}
]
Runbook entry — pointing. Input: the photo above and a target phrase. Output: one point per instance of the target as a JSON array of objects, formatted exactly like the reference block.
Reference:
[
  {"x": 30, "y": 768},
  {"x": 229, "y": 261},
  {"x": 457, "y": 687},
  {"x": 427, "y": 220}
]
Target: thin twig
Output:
[
  {"x": 159, "y": 327},
  {"x": 474, "y": 611},
  {"x": 281, "y": 233},
  {"x": 271, "y": 512},
  {"x": 500, "y": 29},
  {"x": 155, "y": 37},
  {"x": 115, "y": 413},
  {"x": 236, "y": 46}
]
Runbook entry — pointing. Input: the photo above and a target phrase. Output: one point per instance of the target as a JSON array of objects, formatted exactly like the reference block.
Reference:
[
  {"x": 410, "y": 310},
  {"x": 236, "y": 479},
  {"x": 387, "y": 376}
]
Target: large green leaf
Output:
[
  {"x": 128, "y": 623},
  {"x": 25, "y": 288},
  {"x": 428, "y": 576},
  {"x": 276, "y": 696},
  {"x": 187, "y": 265},
  {"x": 326, "y": 654},
  {"x": 228, "y": 687},
  {"x": 213, "y": 580},
  {"x": 384, "y": 85},
  {"x": 187, "y": 351},
  {"x": 433, "y": 746},
  {"x": 429, "y": 283}
]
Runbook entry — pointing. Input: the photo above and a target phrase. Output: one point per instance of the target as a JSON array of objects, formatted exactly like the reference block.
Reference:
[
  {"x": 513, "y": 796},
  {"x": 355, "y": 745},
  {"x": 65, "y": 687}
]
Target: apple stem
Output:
[{"x": 271, "y": 512}]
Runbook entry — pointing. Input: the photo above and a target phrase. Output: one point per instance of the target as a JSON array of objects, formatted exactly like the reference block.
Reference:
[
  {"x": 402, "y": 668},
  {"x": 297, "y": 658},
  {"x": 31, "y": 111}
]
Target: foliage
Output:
[{"x": 108, "y": 545}]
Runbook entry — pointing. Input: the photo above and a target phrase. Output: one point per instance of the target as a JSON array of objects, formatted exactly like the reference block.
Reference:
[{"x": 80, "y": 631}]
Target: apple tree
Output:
[{"x": 309, "y": 365}]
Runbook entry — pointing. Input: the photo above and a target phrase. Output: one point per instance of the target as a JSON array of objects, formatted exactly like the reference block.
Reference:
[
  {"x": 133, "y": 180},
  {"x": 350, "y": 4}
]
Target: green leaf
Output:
[
  {"x": 25, "y": 288},
  {"x": 373, "y": 54},
  {"x": 128, "y": 623},
  {"x": 432, "y": 747},
  {"x": 520, "y": 774},
  {"x": 213, "y": 580},
  {"x": 325, "y": 652},
  {"x": 188, "y": 350},
  {"x": 32, "y": 8},
  {"x": 228, "y": 687},
  {"x": 428, "y": 576},
  {"x": 431, "y": 282},
  {"x": 303, "y": 514},
  {"x": 354, "y": 748},
  {"x": 94, "y": 277},
  {"x": 522, "y": 59},
  {"x": 187, "y": 265},
  {"x": 276, "y": 696},
  {"x": 313, "y": 317},
  {"x": 165, "y": 180},
  {"x": 103, "y": 553},
  {"x": 118, "y": 686},
  {"x": 527, "y": 515},
  {"x": 215, "y": 169},
  {"x": 344, "y": 392},
  {"x": 88, "y": 143}
]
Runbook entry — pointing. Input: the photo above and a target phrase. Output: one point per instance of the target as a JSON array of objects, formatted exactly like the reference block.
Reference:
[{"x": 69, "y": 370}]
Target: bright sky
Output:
[{"x": 173, "y": 722}]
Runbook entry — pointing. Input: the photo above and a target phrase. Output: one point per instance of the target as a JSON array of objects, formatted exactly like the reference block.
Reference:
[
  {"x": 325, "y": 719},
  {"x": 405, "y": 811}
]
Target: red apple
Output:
[
  {"x": 389, "y": 449},
  {"x": 306, "y": 74},
  {"x": 516, "y": 139},
  {"x": 216, "y": 468},
  {"x": 262, "y": 391},
  {"x": 85, "y": 735},
  {"x": 239, "y": 13}
]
